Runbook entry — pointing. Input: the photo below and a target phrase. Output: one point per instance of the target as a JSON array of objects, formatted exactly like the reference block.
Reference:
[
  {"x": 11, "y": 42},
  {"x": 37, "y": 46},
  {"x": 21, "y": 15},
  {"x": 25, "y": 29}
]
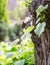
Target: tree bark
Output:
[
  {"x": 42, "y": 51},
  {"x": 42, "y": 44}
]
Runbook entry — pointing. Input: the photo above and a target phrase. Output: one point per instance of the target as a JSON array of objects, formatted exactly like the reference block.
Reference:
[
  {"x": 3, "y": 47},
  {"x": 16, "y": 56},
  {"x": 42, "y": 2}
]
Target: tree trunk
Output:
[
  {"x": 42, "y": 51},
  {"x": 42, "y": 44}
]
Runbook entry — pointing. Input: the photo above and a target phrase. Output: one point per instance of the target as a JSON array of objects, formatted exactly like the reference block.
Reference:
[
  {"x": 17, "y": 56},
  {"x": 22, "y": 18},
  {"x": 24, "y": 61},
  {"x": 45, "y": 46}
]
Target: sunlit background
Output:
[{"x": 17, "y": 11}]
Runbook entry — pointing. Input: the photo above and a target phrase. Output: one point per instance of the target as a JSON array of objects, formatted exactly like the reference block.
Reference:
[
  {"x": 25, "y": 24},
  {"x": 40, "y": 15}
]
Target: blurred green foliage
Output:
[
  {"x": 3, "y": 11},
  {"x": 3, "y": 20},
  {"x": 14, "y": 54},
  {"x": 19, "y": 10},
  {"x": 14, "y": 32},
  {"x": 3, "y": 30},
  {"x": 26, "y": 3}
]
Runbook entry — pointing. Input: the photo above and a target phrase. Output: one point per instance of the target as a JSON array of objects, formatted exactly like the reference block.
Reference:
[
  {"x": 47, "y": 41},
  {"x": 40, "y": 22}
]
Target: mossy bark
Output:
[{"x": 42, "y": 44}]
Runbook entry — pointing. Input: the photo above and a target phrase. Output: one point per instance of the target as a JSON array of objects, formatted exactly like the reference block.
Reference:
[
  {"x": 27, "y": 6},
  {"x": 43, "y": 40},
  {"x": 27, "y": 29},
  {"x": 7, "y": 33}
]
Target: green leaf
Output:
[
  {"x": 43, "y": 17},
  {"x": 26, "y": 2},
  {"x": 21, "y": 62},
  {"x": 25, "y": 36},
  {"x": 1, "y": 53},
  {"x": 9, "y": 54},
  {"x": 40, "y": 9},
  {"x": 46, "y": 6},
  {"x": 13, "y": 49},
  {"x": 29, "y": 29},
  {"x": 38, "y": 20},
  {"x": 40, "y": 28}
]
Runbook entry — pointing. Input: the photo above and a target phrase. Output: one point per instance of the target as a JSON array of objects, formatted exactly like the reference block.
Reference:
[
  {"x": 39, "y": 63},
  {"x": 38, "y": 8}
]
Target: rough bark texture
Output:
[{"x": 42, "y": 44}]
